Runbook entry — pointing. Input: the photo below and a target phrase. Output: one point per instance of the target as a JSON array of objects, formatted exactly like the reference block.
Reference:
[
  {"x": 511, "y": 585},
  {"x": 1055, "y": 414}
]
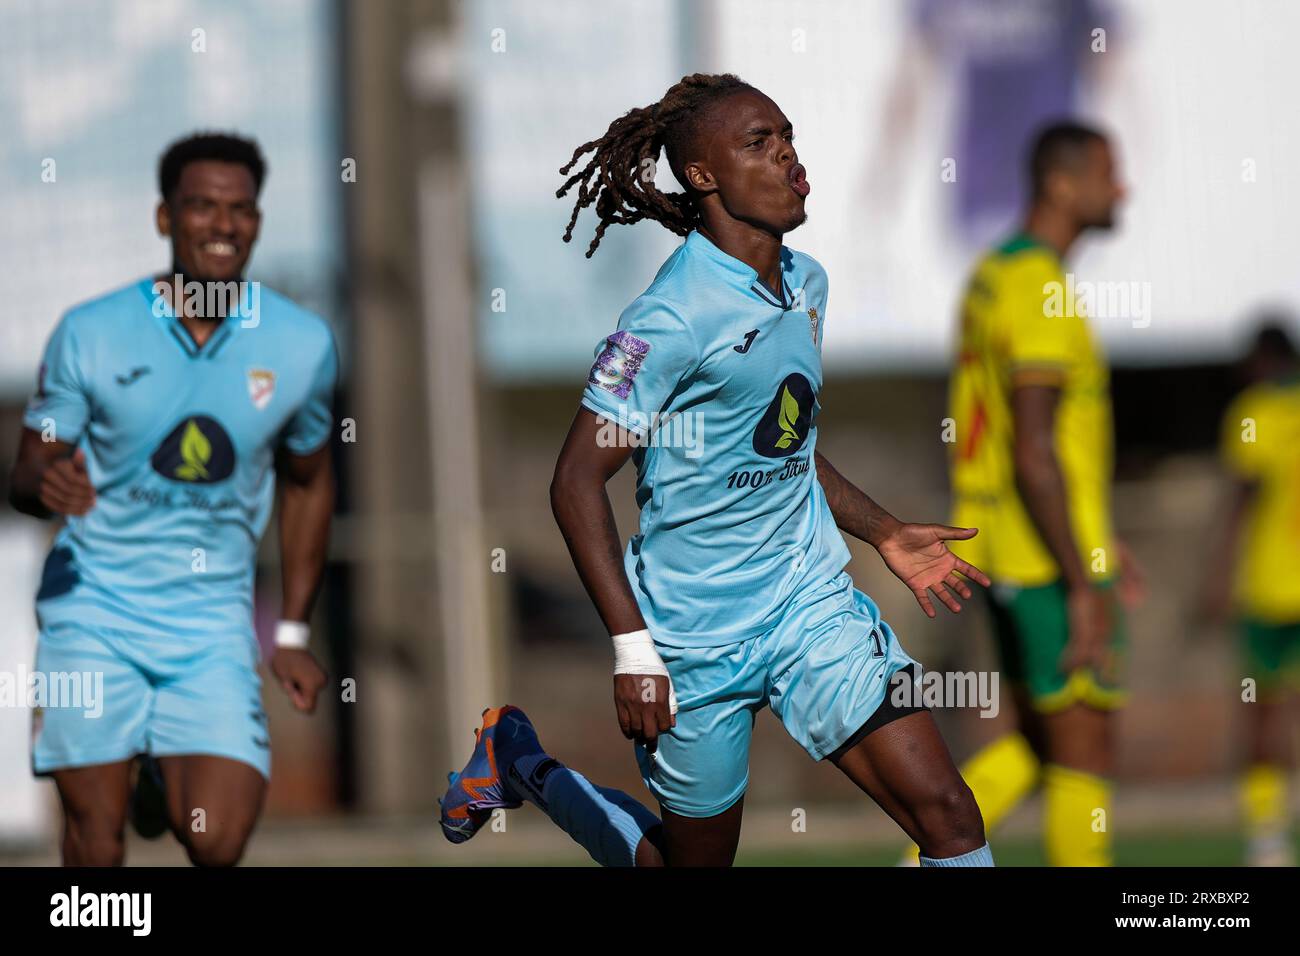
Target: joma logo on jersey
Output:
[
  {"x": 197, "y": 451},
  {"x": 784, "y": 426}
]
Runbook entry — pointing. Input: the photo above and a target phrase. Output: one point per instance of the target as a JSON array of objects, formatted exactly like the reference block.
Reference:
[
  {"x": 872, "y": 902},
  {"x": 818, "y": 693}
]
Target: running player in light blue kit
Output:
[
  {"x": 733, "y": 595},
  {"x": 162, "y": 415}
]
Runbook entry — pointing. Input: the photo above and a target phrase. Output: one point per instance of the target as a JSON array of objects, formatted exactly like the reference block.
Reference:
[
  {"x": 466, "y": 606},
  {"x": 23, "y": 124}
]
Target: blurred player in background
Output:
[
  {"x": 1255, "y": 572},
  {"x": 733, "y": 596},
  {"x": 1031, "y": 466},
  {"x": 163, "y": 413}
]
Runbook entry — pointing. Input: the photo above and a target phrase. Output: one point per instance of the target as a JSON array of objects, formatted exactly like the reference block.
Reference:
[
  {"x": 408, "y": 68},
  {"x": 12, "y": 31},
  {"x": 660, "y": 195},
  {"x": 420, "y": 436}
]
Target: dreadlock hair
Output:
[{"x": 615, "y": 179}]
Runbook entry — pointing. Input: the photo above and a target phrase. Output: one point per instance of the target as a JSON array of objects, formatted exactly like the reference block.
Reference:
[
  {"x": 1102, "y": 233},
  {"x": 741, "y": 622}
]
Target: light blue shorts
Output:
[
  {"x": 823, "y": 670},
  {"x": 110, "y": 695}
]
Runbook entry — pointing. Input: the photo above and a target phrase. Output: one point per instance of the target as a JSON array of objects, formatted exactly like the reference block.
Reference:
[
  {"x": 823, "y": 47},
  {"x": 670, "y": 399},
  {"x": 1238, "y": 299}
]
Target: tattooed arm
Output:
[{"x": 855, "y": 513}]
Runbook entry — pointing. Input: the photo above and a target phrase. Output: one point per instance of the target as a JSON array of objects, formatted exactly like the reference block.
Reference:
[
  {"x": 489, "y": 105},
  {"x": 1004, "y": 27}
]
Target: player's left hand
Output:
[
  {"x": 300, "y": 676},
  {"x": 917, "y": 554}
]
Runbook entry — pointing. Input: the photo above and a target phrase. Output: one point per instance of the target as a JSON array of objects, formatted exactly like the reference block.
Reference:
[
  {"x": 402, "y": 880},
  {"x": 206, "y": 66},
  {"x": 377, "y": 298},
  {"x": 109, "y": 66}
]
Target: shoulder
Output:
[
  {"x": 1025, "y": 265},
  {"x": 1015, "y": 267},
  {"x": 1025, "y": 288},
  {"x": 809, "y": 276},
  {"x": 1250, "y": 402},
  {"x": 98, "y": 314},
  {"x": 307, "y": 329},
  {"x": 806, "y": 265},
  {"x": 657, "y": 311},
  {"x": 673, "y": 284},
  {"x": 655, "y": 307}
]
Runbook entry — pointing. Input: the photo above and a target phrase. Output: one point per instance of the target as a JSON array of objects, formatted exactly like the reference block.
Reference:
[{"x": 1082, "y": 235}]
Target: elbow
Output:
[
  {"x": 570, "y": 487},
  {"x": 22, "y": 503},
  {"x": 1023, "y": 467},
  {"x": 561, "y": 492},
  {"x": 1031, "y": 463}
]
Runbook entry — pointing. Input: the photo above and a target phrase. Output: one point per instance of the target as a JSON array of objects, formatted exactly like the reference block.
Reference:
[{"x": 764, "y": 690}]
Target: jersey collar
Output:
[
  {"x": 1022, "y": 240},
  {"x": 741, "y": 273},
  {"x": 175, "y": 329}
]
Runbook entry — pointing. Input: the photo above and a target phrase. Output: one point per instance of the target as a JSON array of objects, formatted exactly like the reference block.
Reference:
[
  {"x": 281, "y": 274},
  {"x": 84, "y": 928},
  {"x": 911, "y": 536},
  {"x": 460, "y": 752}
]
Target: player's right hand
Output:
[
  {"x": 300, "y": 675},
  {"x": 65, "y": 486},
  {"x": 642, "y": 702},
  {"x": 1089, "y": 615}
]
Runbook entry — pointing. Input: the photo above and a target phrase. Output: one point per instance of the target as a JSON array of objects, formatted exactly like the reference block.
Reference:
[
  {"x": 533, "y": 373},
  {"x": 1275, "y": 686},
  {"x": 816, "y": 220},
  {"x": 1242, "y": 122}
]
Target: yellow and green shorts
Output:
[
  {"x": 1271, "y": 652},
  {"x": 1031, "y": 627}
]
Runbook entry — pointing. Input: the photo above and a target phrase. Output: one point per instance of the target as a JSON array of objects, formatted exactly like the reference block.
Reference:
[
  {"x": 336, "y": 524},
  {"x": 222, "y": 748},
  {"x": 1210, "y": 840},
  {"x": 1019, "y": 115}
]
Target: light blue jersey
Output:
[
  {"x": 180, "y": 444},
  {"x": 720, "y": 376}
]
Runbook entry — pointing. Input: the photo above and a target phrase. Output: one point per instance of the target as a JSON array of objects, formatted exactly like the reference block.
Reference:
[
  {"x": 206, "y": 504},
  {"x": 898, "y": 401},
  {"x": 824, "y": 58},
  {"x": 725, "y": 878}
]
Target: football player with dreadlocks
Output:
[{"x": 733, "y": 595}]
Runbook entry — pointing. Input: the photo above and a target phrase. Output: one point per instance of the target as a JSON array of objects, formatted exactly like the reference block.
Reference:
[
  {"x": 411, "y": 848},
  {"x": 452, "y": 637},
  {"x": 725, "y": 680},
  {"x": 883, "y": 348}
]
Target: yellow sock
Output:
[
  {"x": 1000, "y": 776},
  {"x": 1263, "y": 799},
  {"x": 1076, "y": 809}
]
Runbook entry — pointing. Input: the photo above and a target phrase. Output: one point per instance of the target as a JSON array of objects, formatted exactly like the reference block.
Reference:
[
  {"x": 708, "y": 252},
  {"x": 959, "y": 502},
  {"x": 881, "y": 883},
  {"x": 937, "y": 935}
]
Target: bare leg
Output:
[
  {"x": 212, "y": 804},
  {"x": 95, "y": 802},
  {"x": 1080, "y": 737},
  {"x": 905, "y": 767},
  {"x": 707, "y": 841}
]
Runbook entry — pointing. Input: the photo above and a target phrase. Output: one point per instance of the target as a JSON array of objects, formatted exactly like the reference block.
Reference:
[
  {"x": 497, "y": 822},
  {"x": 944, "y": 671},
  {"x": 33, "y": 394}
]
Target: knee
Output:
[
  {"x": 220, "y": 847},
  {"x": 93, "y": 841},
  {"x": 950, "y": 821}
]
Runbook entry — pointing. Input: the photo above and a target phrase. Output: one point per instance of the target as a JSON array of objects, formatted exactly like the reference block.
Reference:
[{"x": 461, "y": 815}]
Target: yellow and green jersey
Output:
[
  {"x": 1019, "y": 327},
  {"x": 1261, "y": 445}
]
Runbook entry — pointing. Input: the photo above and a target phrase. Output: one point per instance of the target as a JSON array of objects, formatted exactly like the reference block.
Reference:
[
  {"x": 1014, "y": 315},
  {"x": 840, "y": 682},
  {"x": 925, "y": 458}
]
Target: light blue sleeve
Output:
[
  {"x": 62, "y": 398},
  {"x": 310, "y": 426},
  {"x": 639, "y": 367}
]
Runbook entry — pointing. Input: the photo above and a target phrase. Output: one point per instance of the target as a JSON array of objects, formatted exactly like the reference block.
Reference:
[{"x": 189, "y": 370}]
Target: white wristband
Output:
[
  {"x": 634, "y": 653},
  {"x": 294, "y": 634}
]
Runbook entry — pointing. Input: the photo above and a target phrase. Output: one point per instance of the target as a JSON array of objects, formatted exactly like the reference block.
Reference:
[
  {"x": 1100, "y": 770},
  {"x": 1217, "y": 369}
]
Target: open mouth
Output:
[{"x": 799, "y": 180}]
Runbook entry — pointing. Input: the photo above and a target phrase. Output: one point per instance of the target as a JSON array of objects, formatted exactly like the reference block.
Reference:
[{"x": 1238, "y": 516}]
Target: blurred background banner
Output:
[
  {"x": 413, "y": 150},
  {"x": 912, "y": 117}
]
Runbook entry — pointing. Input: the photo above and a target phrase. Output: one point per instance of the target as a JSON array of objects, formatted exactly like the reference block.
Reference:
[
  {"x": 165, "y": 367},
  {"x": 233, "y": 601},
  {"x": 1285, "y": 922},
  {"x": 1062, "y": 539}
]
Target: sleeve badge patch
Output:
[{"x": 618, "y": 363}]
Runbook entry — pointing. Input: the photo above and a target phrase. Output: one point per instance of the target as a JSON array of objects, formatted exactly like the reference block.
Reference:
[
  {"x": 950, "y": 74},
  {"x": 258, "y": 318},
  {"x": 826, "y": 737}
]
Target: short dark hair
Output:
[
  {"x": 1273, "y": 340},
  {"x": 223, "y": 147},
  {"x": 1057, "y": 146}
]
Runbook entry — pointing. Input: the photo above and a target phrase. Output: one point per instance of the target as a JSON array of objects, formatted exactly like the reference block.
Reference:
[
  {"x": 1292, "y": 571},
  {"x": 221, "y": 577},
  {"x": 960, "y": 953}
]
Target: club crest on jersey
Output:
[
  {"x": 812, "y": 321},
  {"x": 618, "y": 363},
  {"x": 261, "y": 386}
]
